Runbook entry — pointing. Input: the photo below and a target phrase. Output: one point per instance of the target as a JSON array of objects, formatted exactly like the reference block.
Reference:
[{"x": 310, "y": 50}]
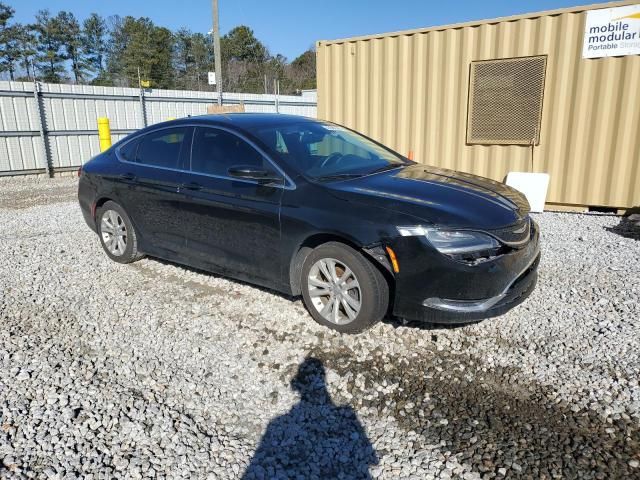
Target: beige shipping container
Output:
[{"x": 416, "y": 91}]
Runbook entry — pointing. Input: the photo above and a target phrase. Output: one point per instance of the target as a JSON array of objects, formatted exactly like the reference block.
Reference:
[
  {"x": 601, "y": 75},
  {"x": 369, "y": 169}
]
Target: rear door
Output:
[
  {"x": 153, "y": 173},
  {"x": 232, "y": 225}
]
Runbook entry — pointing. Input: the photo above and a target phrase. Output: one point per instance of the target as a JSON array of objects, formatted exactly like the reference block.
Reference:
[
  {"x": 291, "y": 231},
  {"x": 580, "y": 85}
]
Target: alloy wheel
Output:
[
  {"x": 334, "y": 291},
  {"x": 114, "y": 232}
]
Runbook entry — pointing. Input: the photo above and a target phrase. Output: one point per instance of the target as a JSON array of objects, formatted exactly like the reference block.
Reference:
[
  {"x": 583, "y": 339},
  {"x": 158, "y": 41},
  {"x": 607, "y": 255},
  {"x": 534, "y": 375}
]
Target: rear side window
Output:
[
  {"x": 214, "y": 151},
  {"x": 128, "y": 150},
  {"x": 162, "y": 148}
]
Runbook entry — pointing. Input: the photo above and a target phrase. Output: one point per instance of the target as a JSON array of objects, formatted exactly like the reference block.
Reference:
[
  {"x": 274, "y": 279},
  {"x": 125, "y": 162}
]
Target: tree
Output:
[
  {"x": 184, "y": 60},
  {"x": 302, "y": 71},
  {"x": 243, "y": 60},
  {"x": 241, "y": 44},
  {"x": 159, "y": 65},
  {"x": 193, "y": 59},
  {"x": 71, "y": 41},
  {"x": 116, "y": 50},
  {"x": 9, "y": 52},
  {"x": 274, "y": 69},
  {"x": 248, "y": 65},
  {"x": 114, "y": 64},
  {"x": 202, "y": 46},
  {"x": 139, "y": 44},
  {"x": 6, "y": 13},
  {"x": 50, "y": 57},
  {"x": 26, "y": 47},
  {"x": 94, "y": 44}
]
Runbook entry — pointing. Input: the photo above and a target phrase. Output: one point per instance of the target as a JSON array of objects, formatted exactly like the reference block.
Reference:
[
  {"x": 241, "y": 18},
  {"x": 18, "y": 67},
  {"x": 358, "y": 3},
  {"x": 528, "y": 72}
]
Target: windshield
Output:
[{"x": 325, "y": 151}]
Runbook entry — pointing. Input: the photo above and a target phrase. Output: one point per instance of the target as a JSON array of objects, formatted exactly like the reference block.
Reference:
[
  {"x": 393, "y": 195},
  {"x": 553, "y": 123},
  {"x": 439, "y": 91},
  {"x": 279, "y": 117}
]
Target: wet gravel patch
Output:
[{"x": 155, "y": 370}]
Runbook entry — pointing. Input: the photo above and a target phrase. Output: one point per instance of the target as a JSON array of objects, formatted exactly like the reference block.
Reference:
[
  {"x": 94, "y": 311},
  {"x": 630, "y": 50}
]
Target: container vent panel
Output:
[{"x": 505, "y": 101}]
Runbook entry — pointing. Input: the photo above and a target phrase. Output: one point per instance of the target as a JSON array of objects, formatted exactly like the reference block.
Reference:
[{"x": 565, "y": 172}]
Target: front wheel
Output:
[{"x": 342, "y": 290}]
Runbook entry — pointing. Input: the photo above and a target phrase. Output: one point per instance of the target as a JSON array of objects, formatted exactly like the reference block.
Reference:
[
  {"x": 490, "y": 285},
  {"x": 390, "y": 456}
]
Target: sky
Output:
[{"x": 290, "y": 27}]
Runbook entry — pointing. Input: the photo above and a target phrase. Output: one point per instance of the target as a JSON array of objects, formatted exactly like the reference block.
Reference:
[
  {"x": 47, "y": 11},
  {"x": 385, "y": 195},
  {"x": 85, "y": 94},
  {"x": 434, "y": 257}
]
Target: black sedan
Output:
[{"x": 311, "y": 208}]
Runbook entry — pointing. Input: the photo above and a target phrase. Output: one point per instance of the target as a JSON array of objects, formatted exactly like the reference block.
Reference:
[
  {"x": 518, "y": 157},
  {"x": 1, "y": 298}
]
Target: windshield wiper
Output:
[
  {"x": 385, "y": 168},
  {"x": 345, "y": 176},
  {"x": 340, "y": 176}
]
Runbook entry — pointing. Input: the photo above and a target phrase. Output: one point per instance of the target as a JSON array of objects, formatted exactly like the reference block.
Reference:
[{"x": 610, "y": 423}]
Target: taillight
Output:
[{"x": 80, "y": 171}]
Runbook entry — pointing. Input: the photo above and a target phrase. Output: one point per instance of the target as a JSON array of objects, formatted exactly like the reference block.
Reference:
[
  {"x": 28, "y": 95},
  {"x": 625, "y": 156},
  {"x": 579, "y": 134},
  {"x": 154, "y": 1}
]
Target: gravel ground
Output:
[{"x": 152, "y": 369}]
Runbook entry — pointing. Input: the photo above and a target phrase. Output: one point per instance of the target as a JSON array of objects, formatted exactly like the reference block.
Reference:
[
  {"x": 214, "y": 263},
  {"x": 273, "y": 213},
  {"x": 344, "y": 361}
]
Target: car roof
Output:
[
  {"x": 243, "y": 122},
  {"x": 248, "y": 121}
]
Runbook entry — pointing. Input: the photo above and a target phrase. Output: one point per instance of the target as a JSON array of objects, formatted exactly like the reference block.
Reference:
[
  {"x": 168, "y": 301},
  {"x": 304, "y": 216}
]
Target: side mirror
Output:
[{"x": 248, "y": 172}]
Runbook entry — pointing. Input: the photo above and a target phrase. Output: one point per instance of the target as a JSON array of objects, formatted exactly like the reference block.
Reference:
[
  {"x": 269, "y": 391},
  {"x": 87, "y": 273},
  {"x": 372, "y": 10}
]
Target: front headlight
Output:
[{"x": 452, "y": 242}]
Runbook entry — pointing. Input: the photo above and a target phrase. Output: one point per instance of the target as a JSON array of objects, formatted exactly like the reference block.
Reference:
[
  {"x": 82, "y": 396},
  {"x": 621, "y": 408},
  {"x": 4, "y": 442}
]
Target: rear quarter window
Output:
[{"x": 128, "y": 151}]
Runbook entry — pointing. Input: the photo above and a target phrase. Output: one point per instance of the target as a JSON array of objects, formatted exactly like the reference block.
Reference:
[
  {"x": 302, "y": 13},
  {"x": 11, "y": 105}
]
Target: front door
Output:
[{"x": 231, "y": 225}]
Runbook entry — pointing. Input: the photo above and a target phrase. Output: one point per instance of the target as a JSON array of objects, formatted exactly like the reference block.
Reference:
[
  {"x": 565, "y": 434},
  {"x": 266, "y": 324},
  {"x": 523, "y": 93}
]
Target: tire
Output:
[
  {"x": 107, "y": 216},
  {"x": 321, "y": 295}
]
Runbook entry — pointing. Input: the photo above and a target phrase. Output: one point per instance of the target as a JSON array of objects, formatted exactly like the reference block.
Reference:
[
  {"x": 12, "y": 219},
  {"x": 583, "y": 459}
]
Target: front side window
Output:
[
  {"x": 324, "y": 151},
  {"x": 214, "y": 151},
  {"x": 161, "y": 148}
]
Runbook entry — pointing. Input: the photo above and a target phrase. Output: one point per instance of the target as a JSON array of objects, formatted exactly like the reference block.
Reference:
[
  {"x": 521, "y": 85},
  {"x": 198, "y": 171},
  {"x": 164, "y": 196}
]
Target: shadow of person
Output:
[
  {"x": 629, "y": 227},
  {"x": 316, "y": 439}
]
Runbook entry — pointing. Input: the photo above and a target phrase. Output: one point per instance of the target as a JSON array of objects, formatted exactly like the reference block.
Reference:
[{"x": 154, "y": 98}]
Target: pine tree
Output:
[
  {"x": 6, "y": 13},
  {"x": 202, "y": 47},
  {"x": 71, "y": 41},
  {"x": 243, "y": 60},
  {"x": 50, "y": 56},
  {"x": 26, "y": 46},
  {"x": 160, "y": 60},
  {"x": 117, "y": 42},
  {"x": 113, "y": 51},
  {"x": 139, "y": 44},
  {"x": 193, "y": 58},
  {"x": 302, "y": 71},
  {"x": 94, "y": 45},
  {"x": 184, "y": 62},
  {"x": 9, "y": 52}
]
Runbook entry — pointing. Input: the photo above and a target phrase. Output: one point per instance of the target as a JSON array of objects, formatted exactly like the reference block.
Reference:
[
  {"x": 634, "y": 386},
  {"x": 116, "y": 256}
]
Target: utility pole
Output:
[
  {"x": 216, "y": 50},
  {"x": 143, "y": 114}
]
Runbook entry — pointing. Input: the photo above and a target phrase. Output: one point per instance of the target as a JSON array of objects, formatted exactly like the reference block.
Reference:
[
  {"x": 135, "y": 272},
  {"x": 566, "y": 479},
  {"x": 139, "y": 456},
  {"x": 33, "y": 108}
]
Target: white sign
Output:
[
  {"x": 212, "y": 78},
  {"x": 612, "y": 32}
]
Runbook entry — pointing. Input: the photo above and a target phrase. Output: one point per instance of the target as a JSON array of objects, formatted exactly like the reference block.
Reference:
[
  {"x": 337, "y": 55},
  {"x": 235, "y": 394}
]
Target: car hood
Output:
[{"x": 438, "y": 195}]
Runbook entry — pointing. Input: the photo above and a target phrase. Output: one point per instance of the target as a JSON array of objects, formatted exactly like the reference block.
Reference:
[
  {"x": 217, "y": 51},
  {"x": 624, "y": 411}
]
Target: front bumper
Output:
[
  {"x": 482, "y": 305},
  {"x": 433, "y": 288}
]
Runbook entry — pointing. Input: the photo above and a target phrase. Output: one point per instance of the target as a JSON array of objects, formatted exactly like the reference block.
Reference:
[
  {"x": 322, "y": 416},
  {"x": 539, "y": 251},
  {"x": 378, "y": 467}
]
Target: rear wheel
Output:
[
  {"x": 116, "y": 232},
  {"x": 342, "y": 290}
]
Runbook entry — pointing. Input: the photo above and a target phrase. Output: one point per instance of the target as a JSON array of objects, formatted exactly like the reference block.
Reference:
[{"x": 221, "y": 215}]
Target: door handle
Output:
[
  {"x": 128, "y": 176},
  {"x": 191, "y": 186}
]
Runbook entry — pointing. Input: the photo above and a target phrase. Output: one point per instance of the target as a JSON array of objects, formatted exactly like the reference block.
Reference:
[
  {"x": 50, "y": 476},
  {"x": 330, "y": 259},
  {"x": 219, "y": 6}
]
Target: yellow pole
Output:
[{"x": 104, "y": 133}]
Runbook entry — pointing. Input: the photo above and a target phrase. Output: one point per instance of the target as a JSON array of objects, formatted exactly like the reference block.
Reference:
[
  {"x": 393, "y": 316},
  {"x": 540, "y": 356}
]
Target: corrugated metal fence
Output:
[{"x": 50, "y": 127}]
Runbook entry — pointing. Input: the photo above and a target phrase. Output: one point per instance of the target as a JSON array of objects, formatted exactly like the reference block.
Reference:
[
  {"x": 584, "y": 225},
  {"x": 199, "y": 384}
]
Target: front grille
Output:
[{"x": 516, "y": 235}]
